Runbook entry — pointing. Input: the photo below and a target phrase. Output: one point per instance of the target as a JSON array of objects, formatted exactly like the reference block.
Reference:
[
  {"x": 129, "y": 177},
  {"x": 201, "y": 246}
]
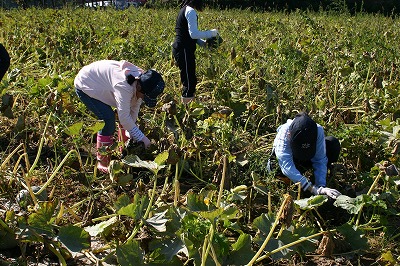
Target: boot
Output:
[{"x": 103, "y": 160}]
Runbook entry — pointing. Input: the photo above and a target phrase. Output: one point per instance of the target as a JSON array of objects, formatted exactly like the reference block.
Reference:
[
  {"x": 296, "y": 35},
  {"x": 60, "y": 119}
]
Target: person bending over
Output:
[
  {"x": 105, "y": 84},
  {"x": 300, "y": 144}
]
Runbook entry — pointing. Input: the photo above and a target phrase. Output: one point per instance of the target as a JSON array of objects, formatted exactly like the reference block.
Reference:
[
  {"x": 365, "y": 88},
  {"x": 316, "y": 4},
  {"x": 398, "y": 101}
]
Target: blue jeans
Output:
[{"x": 101, "y": 110}]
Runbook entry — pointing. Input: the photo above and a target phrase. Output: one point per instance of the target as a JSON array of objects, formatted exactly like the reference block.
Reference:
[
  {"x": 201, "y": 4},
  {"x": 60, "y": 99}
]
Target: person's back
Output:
[{"x": 182, "y": 38}]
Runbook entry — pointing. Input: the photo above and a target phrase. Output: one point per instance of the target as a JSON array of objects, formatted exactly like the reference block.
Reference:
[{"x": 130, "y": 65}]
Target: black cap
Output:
[
  {"x": 303, "y": 137},
  {"x": 152, "y": 85}
]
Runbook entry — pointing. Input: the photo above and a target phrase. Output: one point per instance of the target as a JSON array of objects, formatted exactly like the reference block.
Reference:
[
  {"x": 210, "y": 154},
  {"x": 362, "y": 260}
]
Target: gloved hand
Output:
[
  {"x": 146, "y": 142},
  {"x": 330, "y": 192},
  {"x": 214, "y": 33}
]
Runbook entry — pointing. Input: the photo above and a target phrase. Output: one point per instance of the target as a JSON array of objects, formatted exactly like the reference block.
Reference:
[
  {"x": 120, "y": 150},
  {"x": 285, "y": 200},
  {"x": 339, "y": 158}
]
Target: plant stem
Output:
[
  {"x": 368, "y": 193},
  {"x": 289, "y": 245},
  {"x": 221, "y": 185},
  {"x": 271, "y": 231},
  {"x": 269, "y": 203},
  {"x": 58, "y": 254},
  {"x": 146, "y": 214},
  {"x": 56, "y": 171},
  {"x": 27, "y": 176},
  {"x": 176, "y": 192},
  {"x": 207, "y": 245},
  {"x": 10, "y": 156}
]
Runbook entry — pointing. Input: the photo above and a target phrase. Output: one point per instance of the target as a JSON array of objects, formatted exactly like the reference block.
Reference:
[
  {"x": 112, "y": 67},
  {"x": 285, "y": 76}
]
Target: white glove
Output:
[
  {"x": 214, "y": 33},
  {"x": 146, "y": 142},
  {"x": 330, "y": 192}
]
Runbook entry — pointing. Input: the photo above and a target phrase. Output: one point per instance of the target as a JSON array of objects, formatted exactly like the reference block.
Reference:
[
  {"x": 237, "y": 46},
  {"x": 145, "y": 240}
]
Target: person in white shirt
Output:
[
  {"x": 300, "y": 144},
  {"x": 184, "y": 47},
  {"x": 105, "y": 84}
]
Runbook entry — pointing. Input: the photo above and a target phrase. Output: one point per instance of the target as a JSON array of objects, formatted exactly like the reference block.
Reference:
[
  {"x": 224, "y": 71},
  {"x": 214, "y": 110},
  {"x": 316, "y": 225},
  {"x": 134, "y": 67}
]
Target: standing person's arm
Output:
[{"x": 194, "y": 32}]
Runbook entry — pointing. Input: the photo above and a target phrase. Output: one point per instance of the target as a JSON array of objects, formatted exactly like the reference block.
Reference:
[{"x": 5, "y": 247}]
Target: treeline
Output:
[{"x": 386, "y": 7}]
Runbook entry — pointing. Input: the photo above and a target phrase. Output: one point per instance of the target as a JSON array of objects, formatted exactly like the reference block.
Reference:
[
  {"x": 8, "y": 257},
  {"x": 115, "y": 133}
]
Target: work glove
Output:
[
  {"x": 330, "y": 192},
  {"x": 146, "y": 142}
]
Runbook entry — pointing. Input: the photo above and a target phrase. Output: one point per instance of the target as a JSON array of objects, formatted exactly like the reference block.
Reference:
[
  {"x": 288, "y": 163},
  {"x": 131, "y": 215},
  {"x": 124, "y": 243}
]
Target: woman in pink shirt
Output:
[{"x": 105, "y": 84}]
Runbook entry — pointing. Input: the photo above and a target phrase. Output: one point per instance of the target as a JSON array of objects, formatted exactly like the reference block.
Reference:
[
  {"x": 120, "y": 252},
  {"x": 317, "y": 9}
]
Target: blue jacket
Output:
[{"x": 284, "y": 155}]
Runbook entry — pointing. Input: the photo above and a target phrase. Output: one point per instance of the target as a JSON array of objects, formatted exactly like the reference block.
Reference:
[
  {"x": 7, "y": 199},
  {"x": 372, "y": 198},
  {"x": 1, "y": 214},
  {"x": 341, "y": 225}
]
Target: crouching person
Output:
[
  {"x": 105, "y": 84},
  {"x": 300, "y": 144}
]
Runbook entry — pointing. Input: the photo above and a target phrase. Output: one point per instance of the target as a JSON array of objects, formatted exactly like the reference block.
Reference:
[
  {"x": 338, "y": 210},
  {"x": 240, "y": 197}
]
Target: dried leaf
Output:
[
  {"x": 287, "y": 213},
  {"x": 326, "y": 246}
]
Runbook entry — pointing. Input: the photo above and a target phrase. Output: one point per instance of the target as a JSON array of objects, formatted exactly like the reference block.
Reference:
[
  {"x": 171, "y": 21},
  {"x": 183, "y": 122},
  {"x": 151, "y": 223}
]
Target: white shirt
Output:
[
  {"x": 194, "y": 32},
  {"x": 105, "y": 81}
]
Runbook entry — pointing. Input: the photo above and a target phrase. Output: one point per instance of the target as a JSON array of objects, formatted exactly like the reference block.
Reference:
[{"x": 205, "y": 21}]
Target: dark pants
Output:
[
  {"x": 332, "y": 146},
  {"x": 101, "y": 110},
  {"x": 4, "y": 61},
  {"x": 186, "y": 61}
]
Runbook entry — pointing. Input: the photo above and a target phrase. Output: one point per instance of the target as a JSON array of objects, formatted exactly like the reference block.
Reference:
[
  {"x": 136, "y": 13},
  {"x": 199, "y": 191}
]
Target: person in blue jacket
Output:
[
  {"x": 4, "y": 61},
  {"x": 300, "y": 144},
  {"x": 184, "y": 46}
]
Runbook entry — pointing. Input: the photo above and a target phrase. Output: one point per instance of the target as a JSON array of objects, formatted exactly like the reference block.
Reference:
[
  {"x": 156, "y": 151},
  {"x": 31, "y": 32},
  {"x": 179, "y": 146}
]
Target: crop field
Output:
[{"x": 200, "y": 195}]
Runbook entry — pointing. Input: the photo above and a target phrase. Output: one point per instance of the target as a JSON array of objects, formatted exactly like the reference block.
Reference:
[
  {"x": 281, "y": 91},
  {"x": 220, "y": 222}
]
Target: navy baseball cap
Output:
[
  {"x": 303, "y": 137},
  {"x": 152, "y": 85}
]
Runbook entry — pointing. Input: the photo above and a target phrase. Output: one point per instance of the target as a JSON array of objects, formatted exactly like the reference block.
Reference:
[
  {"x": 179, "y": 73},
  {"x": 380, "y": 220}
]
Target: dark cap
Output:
[
  {"x": 152, "y": 85},
  {"x": 303, "y": 137}
]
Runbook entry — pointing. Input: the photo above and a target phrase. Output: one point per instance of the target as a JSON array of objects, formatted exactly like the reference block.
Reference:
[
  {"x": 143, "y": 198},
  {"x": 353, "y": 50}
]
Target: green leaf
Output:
[
  {"x": 388, "y": 257},
  {"x": 129, "y": 210},
  {"x": 352, "y": 205},
  {"x": 158, "y": 221},
  {"x": 7, "y": 237},
  {"x": 102, "y": 228},
  {"x": 197, "y": 112},
  {"x": 293, "y": 234},
  {"x": 311, "y": 203},
  {"x": 157, "y": 258},
  {"x": 135, "y": 209},
  {"x": 130, "y": 253},
  {"x": 124, "y": 179},
  {"x": 96, "y": 127},
  {"x": 273, "y": 244},
  {"x": 241, "y": 252},
  {"x": 211, "y": 215},
  {"x": 353, "y": 236},
  {"x": 264, "y": 222},
  {"x": 40, "y": 221},
  {"x": 195, "y": 202},
  {"x": 135, "y": 161},
  {"x": 230, "y": 212},
  {"x": 161, "y": 158},
  {"x": 74, "y": 129},
  {"x": 170, "y": 247},
  {"x": 74, "y": 238},
  {"x": 122, "y": 201}
]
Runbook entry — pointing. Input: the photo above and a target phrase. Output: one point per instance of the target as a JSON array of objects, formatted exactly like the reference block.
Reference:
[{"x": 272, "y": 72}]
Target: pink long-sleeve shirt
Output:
[{"x": 105, "y": 81}]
